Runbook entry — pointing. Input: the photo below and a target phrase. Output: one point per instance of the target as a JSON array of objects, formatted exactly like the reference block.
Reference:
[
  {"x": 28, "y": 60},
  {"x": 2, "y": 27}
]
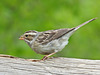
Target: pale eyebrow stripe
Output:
[{"x": 31, "y": 33}]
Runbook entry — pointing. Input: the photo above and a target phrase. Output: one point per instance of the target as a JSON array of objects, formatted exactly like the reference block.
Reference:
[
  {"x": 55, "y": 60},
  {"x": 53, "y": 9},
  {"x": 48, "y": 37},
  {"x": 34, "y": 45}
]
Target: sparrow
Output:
[{"x": 49, "y": 42}]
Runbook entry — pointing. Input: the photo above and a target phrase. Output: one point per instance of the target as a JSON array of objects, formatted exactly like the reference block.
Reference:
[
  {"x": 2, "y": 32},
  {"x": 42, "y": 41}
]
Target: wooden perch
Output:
[{"x": 10, "y": 65}]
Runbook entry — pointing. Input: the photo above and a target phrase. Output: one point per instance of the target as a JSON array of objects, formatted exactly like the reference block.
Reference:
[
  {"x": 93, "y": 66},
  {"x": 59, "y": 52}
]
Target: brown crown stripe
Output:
[{"x": 31, "y": 31}]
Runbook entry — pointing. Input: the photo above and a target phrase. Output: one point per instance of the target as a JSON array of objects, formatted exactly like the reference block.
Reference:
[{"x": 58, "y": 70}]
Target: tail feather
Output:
[{"x": 85, "y": 23}]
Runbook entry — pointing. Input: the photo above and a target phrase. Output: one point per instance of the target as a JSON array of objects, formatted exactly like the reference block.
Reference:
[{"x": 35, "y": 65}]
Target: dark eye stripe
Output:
[{"x": 32, "y": 35}]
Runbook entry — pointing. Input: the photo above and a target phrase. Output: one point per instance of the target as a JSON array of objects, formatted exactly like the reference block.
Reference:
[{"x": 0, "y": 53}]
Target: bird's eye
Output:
[{"x": 26, "y": 35}]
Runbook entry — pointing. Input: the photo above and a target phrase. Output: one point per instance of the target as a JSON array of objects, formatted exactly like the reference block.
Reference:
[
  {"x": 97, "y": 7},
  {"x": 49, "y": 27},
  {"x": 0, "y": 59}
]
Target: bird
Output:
[{"x": 49, "y": 42}]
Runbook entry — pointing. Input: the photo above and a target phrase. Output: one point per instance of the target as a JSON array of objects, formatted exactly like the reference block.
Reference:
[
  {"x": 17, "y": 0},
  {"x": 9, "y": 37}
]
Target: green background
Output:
[{"x": 18, "y": 16}]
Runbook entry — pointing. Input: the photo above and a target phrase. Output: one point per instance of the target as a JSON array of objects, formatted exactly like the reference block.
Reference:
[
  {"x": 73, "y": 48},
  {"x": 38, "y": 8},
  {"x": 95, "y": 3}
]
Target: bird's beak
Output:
[{"x": 21, "y": 38}]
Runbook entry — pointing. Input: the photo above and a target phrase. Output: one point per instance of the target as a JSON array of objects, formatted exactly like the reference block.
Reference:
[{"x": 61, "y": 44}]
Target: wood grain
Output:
[{"x": 10, "y": 65}]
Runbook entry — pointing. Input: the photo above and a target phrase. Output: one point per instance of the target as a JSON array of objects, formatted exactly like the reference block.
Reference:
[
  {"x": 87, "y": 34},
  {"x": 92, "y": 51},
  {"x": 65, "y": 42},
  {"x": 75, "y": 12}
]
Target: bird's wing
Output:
[
  {"x": 47, "y": 36},
  {"x": 50, "y": 35}
]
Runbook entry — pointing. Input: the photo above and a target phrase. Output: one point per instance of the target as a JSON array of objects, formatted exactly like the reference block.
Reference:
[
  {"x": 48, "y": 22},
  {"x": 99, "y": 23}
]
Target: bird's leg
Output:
[{"x": 45, "y": 57}]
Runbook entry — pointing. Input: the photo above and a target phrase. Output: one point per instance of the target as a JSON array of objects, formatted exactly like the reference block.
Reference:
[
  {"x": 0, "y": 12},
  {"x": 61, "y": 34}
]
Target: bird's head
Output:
[{"x": 28, "y": 36}]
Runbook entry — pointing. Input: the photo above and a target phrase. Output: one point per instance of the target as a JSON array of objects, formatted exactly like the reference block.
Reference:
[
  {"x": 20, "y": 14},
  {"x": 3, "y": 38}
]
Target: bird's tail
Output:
[{"x": 84, "y": 23}]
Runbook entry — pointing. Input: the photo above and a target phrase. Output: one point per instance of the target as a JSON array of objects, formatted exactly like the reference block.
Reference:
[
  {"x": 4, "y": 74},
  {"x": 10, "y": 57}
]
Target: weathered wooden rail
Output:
[{"x": 57, "y": 66}]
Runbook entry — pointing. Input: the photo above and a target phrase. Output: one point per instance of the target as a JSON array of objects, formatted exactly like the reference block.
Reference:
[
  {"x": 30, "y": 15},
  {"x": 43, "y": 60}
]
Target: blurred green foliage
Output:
[{"x": 18, "y": 16}]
